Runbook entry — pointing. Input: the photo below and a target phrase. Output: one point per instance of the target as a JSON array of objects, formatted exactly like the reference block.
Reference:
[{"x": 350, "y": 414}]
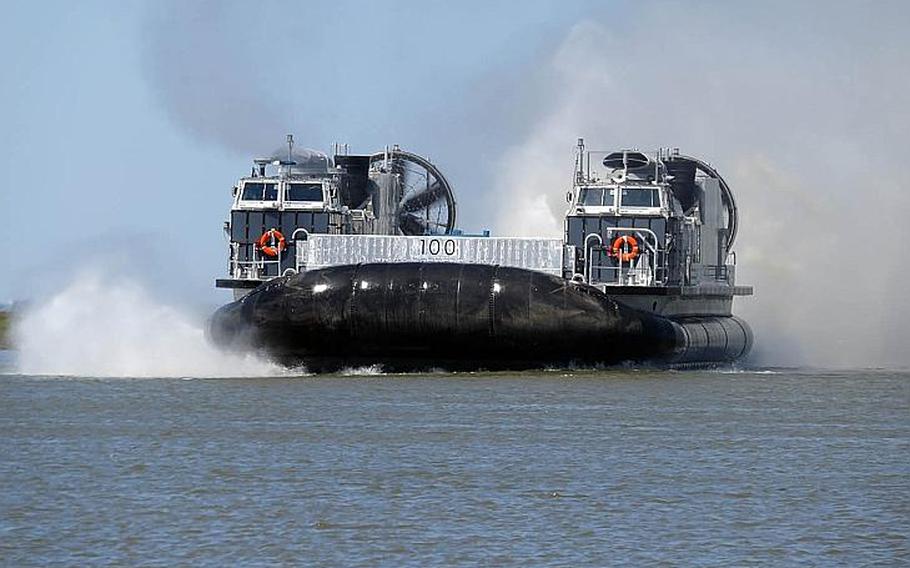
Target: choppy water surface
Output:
[{"x": 566, "y": 468}]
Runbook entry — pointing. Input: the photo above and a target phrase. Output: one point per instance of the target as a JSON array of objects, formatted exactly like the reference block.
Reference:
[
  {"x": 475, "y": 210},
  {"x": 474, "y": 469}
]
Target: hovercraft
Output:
[{"x": 356, "y": 260}]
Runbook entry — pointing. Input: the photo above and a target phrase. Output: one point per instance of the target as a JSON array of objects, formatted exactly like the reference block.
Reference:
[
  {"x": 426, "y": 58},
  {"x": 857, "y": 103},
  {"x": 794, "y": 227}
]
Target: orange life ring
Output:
[
  {"x": 617, "y": 247},
  {"x": 272, "y": 242}
]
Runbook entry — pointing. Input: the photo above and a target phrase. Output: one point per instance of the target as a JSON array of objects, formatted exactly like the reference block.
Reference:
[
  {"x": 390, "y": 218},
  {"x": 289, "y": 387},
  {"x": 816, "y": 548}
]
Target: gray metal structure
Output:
[
  {"x": 680, "y": 212},
  {"x": 301, "y": 193},
  {"x": 322, "y": 251},
  {"x": 394, "y": 206},
  {"x": 371, "y": 267}
]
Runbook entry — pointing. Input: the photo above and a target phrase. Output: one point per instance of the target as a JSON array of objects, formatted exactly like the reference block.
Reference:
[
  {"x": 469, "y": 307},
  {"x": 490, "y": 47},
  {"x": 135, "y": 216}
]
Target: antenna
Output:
[
  {"x": 290, "y": 146},
  {"x": 580, "y": 161}
]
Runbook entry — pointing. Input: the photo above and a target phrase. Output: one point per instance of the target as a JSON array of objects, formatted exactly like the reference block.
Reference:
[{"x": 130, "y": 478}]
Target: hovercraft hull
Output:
[{"x": 460, "y": 316}]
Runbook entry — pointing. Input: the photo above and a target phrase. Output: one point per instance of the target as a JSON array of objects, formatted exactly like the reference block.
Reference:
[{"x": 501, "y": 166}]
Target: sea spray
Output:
[
  {"x": 364, "y": 371},
  {"x": 102, "y": 326}
]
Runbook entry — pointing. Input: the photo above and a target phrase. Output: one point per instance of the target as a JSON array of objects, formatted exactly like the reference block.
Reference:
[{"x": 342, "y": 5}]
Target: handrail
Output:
[
  {"x": 250, "y": 269},
  {"x": 587, "y": 264},
  {"x": 655, "y": 271}
]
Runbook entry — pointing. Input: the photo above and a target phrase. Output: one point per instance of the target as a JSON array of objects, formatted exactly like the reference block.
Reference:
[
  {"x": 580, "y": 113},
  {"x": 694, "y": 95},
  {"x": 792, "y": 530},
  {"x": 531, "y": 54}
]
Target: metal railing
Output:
[
  {"x": 646, "y": 269},
  {"x": 254, "y": 269},
  {"x": 300, "y": 237}
]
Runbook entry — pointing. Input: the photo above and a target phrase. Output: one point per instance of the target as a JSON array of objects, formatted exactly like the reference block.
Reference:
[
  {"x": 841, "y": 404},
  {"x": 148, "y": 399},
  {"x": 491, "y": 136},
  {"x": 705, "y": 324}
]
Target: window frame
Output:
[
  {"x": 240, "y": 194},
  {"x": 641, "y": 208},
  {"x": 296, "y": 204},
  {"x": 597, "y": 208}
]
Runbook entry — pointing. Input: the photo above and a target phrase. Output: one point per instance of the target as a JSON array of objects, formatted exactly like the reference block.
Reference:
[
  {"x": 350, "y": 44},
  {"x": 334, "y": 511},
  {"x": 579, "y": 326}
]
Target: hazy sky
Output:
[{"x": 126, "y": 123}]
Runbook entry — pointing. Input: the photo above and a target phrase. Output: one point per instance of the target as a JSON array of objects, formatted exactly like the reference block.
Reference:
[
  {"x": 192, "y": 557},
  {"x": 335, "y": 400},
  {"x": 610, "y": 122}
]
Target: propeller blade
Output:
[
  {"x": 411, "y": 224},
  {"x": 421, "y": 200}
]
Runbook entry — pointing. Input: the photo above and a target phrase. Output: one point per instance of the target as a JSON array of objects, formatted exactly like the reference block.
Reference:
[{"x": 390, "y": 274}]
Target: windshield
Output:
[
  {"x": 260, "y": 191},
  {"x": 303, "y": 192},
  {"x": 596, "y": 196},
  {"x": 640, "y": 197}
]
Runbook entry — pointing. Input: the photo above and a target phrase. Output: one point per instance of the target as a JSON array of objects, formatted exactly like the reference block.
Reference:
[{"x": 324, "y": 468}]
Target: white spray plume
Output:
[
  {"x": 109, "y": 327},
  {"x": 800, "y": 119}
]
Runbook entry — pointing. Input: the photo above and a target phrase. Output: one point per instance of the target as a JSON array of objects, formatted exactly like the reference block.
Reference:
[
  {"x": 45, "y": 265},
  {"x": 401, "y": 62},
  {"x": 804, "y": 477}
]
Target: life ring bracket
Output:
[{"x": 272, "y": 243}]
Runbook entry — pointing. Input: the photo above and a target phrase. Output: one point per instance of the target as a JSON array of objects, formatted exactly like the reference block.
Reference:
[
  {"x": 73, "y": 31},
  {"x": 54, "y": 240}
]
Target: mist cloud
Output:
[
  {"x": 801, "y": 106},
  {"x": 199, "y": 65},
  {"x": 800, "y": 114}
]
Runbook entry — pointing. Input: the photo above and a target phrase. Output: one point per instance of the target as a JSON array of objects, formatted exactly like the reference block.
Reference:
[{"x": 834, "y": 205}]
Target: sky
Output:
[{"x": 127, "y": 123}]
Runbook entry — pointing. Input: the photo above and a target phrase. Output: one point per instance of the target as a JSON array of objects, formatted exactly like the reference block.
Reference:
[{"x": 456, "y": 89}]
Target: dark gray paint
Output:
[{"x": 248, "y": 226}]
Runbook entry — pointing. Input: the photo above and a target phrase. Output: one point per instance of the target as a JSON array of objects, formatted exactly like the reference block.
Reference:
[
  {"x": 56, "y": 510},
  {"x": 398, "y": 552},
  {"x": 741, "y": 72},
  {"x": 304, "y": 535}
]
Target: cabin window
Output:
[
  {"x": 303, "y": 192},
  {"x": 592, "y": 196},
  {"x": 640, "y": 197},
  {"x": 597, "y": 196},
  {"x": 610, "y": 197},
  {"x": 260, "y": 191}
]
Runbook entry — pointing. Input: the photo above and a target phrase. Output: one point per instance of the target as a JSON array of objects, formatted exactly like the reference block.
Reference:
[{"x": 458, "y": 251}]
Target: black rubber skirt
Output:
[{"x": 460, "y": 316}]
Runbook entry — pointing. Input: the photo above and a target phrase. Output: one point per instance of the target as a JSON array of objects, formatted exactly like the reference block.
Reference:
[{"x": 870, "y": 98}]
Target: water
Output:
[{"x": 561, "y": 468}]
